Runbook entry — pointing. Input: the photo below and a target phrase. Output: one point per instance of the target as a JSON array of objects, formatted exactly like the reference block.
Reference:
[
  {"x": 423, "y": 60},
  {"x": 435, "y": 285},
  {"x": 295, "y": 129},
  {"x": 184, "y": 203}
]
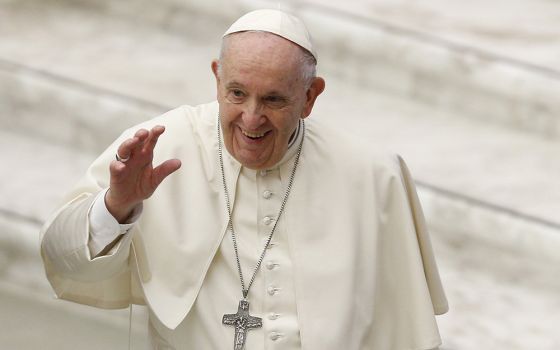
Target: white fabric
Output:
[
  {"x": 272, "y": 296},
  {"x": 276, "y": 22},
  {"x": 104, "y": 227},
  {"x": 362, "y": 267}
]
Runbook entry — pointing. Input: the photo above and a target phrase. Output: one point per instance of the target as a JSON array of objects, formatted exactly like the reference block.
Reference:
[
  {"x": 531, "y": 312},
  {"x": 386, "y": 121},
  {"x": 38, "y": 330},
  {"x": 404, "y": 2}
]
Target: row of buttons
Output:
[
  {"x": 267, "y": 220},
  {"x": 270, "y": 265},
  {"x": 271, "y": 290},
  {"x": 274, "y": 336}
]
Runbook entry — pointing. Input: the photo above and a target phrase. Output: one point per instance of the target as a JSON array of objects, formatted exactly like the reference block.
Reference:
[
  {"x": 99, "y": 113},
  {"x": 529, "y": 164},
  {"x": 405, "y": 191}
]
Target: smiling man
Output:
[
  {"x": 266, "y": 85},
  {"x": 278, "y": 233}
]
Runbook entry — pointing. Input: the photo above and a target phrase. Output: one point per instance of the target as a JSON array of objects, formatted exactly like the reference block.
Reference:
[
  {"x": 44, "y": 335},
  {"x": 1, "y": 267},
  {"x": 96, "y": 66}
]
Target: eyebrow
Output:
[
  {"x": 276, "y": 93},
  {"x": 233, "y": 84}
]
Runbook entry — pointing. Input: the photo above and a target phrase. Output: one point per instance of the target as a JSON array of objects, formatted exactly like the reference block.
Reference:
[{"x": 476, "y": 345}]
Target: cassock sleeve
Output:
[
  {"x": 105, "y": 281},
  {"x": 102, "y": 282}
]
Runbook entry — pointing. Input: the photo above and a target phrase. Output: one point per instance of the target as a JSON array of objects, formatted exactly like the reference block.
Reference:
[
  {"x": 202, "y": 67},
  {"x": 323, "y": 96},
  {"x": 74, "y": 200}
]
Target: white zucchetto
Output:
[{"x": 275, "y": 22}]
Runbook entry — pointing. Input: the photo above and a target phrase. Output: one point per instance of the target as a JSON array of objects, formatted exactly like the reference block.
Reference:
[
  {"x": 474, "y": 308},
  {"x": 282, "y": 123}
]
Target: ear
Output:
[
  {"x": 316, "y": 88},
  {"x": 215, "y": 65}
]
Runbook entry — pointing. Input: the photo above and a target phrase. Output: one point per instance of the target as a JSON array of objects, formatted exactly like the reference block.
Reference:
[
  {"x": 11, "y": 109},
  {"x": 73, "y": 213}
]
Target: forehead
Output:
[{"x": 262, "y": 56}]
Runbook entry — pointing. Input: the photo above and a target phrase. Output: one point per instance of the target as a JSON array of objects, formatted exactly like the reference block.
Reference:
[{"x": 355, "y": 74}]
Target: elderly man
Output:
[{"x": 275, "y": 234}]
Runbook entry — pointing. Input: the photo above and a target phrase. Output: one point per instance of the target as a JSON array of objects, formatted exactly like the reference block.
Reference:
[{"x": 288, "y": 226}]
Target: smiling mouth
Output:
[{"x": 254, "y": 135}]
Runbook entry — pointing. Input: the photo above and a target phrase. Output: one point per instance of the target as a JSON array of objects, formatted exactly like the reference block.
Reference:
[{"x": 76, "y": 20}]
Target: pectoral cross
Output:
[{"x": 242, "y": 322}]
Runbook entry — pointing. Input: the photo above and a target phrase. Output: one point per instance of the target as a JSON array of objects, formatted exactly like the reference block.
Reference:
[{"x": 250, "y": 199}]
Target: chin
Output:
[{"x": 255, "y": 164}]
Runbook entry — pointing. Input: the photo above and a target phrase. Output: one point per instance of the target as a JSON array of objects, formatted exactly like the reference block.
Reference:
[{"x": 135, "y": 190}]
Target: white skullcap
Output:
[{"x": 275, "y": 22}]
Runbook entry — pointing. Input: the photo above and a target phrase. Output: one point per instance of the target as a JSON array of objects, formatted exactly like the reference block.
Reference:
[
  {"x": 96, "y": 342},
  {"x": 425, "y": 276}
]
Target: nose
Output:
[{"x": 253, "y": 115}]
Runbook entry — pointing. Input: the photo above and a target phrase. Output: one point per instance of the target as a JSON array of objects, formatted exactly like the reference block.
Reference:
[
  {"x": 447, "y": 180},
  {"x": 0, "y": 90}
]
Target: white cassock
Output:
[{"x": 351, "y": 265}]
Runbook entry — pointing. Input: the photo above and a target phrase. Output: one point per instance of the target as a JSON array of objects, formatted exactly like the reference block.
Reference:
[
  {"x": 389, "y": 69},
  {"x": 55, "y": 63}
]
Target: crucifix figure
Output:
[{"x": 242, "y": 322}]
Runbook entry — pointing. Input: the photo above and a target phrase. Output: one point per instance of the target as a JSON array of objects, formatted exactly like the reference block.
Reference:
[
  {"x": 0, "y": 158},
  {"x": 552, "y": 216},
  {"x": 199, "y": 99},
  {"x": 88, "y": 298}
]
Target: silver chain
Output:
[{"x": 244, "y": 290}]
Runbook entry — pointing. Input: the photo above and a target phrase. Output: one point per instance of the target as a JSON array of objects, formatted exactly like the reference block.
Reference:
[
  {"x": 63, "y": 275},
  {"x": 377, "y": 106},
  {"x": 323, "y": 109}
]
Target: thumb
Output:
[{"x": 164, "y": 170}]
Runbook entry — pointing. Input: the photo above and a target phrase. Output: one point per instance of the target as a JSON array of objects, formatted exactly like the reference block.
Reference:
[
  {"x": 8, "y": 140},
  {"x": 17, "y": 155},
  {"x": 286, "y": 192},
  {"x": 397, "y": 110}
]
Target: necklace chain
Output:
[{"x": 244, "y": 290}]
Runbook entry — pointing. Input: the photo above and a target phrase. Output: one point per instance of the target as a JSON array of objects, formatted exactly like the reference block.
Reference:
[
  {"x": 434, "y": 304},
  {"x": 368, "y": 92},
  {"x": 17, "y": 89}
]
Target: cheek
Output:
[
  {"x": 228, "y": 113},
  {"x": 287, "y": 124}
]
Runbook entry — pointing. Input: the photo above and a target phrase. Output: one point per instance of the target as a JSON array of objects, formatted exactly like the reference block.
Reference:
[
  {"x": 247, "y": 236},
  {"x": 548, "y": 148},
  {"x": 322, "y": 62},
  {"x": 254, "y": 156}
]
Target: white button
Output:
[
  {"x": 271, "y": 290},
  {"x": 272, "y": 316},
  {"x": 267, "y": 220},
  {"x": 270, "y": 265},
  {"x": 275, "y": 336},
  {"x": 267, "y": 194}
]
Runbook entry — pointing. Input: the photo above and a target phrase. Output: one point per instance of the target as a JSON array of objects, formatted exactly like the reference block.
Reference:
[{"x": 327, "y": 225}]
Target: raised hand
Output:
[{"x": 134, "y": 178}]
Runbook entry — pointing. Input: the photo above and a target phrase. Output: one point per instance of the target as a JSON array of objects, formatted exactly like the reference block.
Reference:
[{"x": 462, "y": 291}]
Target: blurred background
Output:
[{"x": 468, "y": 92}]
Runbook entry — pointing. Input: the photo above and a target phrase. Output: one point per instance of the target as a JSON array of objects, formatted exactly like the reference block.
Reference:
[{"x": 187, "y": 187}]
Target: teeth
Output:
[{"x": 252, "y": 135}]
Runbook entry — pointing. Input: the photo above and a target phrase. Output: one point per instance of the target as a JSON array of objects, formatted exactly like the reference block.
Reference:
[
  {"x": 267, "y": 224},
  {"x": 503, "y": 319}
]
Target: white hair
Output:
[{"x": 307, "y": 62}]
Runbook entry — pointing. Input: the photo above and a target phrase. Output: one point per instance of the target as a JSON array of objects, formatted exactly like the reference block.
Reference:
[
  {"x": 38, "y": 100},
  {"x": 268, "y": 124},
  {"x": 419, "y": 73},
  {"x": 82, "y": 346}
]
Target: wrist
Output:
[{"x": 120, "y": 210}]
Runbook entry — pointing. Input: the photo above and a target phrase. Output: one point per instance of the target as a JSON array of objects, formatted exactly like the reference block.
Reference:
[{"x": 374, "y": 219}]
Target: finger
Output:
[
  {"x": 164, "y": 170},
  {"x": 151, "y": 141},
  {"x": 142, "y": 134},
  {"x": 117, "y": 171},
  {"x": 133, "y": 147},
  {"x": 125, "y": 149}
]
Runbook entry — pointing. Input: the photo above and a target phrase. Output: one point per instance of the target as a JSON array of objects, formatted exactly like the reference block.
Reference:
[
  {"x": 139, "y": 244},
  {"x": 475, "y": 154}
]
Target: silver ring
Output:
[{"x": 120, "y": 159}]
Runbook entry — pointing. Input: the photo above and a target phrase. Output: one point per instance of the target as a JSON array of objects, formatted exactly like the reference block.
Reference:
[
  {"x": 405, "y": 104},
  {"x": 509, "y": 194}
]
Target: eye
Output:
[
  {"x": 275, "y": 100},
  {"x": 236, "y": 95}
]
